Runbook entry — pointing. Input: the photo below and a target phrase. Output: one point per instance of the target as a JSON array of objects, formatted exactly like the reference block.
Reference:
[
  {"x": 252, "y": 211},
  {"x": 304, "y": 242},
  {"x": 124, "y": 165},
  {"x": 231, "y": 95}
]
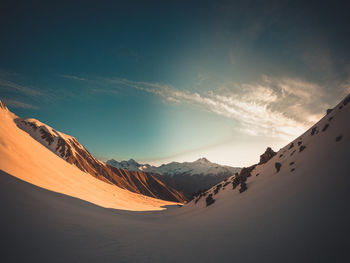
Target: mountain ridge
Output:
[
  {"x": 186, "y": 177},
  {"x": 69, "y": 149},
  {"x": 334, "y": 127}
]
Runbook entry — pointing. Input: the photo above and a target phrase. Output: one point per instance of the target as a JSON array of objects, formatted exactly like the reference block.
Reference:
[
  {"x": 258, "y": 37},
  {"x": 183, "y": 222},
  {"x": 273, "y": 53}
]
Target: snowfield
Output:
[
  {"x": 27, "y": 159},
  {"x": 283, "y": 216}
]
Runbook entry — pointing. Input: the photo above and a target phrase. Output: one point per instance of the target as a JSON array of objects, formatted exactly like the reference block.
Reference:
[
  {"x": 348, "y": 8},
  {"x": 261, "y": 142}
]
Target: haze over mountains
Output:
[
  {"x": 187, "y": 177},
  {"x": 281, "y": 209}
]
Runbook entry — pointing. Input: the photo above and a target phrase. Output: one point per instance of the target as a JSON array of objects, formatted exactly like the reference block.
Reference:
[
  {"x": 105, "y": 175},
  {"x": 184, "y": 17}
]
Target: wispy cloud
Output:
[
  {"x": 18, "y": 104},
  {"x": 282, "y": 107},
  {"x": 73, "y": 77},
  {"x": 11, "y": 86}
]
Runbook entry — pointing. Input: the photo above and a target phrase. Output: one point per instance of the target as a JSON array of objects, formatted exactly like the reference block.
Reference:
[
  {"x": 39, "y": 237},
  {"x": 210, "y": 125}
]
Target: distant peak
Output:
[
  {"x": 203, "y": 160},
  {"x": 132, "y": 161},
  {"x": 3, "y": 106}
]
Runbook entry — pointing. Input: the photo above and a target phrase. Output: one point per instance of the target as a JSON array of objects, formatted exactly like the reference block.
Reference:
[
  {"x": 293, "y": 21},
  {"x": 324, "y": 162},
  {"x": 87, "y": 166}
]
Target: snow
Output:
[
  {"x": 289, "y": 217},
  {"x": 200, "y": 167},
  {"x": 27, "y": 159}
]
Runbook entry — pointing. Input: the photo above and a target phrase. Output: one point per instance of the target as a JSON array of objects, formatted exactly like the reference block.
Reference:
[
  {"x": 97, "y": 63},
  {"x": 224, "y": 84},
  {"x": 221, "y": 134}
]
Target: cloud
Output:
[
  {"x": 73, "y": 77},
  {"x": 282, "y": 107},
  {"x": 9, "y": 85},
  {"x": 18, "y": 104}
]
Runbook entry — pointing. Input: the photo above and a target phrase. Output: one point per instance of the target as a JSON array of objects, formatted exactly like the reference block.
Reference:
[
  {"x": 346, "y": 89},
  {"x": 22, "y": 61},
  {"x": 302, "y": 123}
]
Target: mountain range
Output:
[
  {"x": 69, "y": 149},
  {"x": 186, "y": 177},
  {"x": 290, "y": 207}
]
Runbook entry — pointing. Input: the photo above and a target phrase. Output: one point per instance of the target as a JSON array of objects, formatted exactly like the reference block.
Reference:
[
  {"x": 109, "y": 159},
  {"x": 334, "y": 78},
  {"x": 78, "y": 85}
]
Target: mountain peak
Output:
[
  {"x": 202, "y": 160},
  {"x": 132, "y": 161}
]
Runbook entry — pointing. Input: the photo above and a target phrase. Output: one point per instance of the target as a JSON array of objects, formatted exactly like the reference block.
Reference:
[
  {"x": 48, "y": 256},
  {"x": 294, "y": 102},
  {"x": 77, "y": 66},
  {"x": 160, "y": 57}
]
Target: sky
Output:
[{"x": 162, "y": 81}]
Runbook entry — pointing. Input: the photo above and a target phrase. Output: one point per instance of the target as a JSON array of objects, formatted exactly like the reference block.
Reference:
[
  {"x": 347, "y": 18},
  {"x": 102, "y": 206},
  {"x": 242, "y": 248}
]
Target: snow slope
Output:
[
  {"x": 300, "y": 216},
  {"x": 69, "y": 149},
  {"x": 305, "y": 158},
  {"x": 25, "y": 158}
]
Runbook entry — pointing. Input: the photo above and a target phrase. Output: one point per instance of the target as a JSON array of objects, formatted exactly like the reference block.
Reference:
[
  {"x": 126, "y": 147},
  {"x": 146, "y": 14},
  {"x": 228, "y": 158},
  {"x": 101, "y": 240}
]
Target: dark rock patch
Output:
[
  {"x": 291, "y": 163},
  {"x": 46, "y": 136},
  {"x": 217, "y": 189},
  {"x": 292, "y": 170},
  {"x": 330, "y": 118},
  {"x": 291, "y": 146},
  {"x": 281, "y": 155},
  {"x": 241, "y": 178},
  {"x": 329, "y": 111},
  {"x": 313, "y": 131},
  {"x": 346, "y": 100},
  {"x": 292, "y": 153},
  {"x": 300, "y": 142},
  {"x": 209, "y": 200},
  {"x": 339, "y": 138},
  {"x": 341, "y": 106},
  {"x": 267, "y": 155},
  {"x": 278, "y": 166},
  {"x": 257, "y": 174},
  {"x": 302, "y": 148},
  {"x": 325, "y": 127},
  {"x": 243, "y": 187}
]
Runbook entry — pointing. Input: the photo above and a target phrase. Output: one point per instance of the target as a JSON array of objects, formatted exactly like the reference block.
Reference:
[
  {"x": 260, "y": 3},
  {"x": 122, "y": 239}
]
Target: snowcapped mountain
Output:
[
  {"x": 200, "y": 167},
  {"x": 187, "y": 177},
  {"x": 130, "y": 165},
  {"x": 70, "y": 150},
  {"x": 321, "y": 152},
  {"x": 290, "y": 207}
]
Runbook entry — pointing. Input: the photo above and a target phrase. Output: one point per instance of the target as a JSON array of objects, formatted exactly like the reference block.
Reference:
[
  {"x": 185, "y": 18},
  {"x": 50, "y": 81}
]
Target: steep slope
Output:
[
  {"x": 69, "y": 149},
  {"x": 187, "y": 177},
  {"x": 301, "y": 158},
  {"x": 300, "y": 216},
  {"x": 25, "y": 158}
]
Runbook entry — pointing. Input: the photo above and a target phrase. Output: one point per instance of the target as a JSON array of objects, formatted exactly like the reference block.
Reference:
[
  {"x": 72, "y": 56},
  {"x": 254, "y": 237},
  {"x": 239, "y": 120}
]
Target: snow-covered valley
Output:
[{"x": 293, "y": 208}]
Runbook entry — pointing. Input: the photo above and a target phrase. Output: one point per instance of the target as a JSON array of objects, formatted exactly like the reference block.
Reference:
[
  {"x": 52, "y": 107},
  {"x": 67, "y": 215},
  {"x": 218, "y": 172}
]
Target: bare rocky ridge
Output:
[{"x": 69, "y": 149}]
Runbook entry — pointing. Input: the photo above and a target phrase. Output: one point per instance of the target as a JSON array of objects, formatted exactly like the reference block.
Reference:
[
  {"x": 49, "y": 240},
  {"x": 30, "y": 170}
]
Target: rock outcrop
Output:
[{"x": 267, "y": 155}]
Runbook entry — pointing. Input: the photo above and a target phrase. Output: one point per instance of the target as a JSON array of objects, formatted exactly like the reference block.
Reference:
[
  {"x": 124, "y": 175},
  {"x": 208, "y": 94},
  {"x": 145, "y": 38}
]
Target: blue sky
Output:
[{"x": 161, "y": 81}]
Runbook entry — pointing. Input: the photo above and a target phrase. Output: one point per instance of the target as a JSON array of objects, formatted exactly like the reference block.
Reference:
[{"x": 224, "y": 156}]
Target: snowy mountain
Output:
[
  {"x": 290, "y": 207},
  {"x": 309, "y": 157},
  {"x": 186, "y": 177},
  {"x": 200, "y": 167},
  {"x": 130, "y": 165},
  {"x": 70, "y": 150}
]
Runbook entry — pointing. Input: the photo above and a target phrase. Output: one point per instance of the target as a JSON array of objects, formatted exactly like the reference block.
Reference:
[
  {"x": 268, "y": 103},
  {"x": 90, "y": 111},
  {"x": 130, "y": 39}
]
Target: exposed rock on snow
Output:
[
  {"x": 267, "y": 155},
  {"x": 70, "y": 150},
  {"x": 325, "y": 127},
  {"x": 297, "y": 216},
  {"x": 302, "y": 148},
  {"x": 339, "y": 138},
  {"x": 317, "y": 144},
  {"x": 278, "y": 166},
  {"x": 209, "y": 200}
]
